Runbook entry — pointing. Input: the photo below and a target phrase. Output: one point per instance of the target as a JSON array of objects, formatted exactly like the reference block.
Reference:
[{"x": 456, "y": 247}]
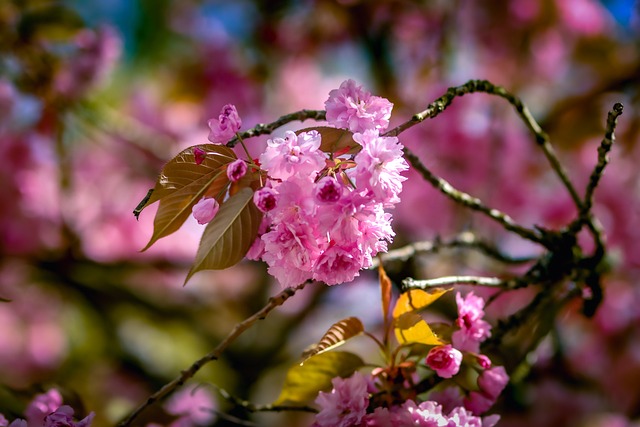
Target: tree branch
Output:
[
  {"x": 265, "y": 129},
  {"x": 471, "y": 202},
  {"x": 448, "y": 281},
  {"x": 603, "y": 159},
  {"x": 465, "y": 239},
  {"x": 484, "y": 86},
  {"x": 238, "y": 329},
  {"x": 245, "y": 404}
]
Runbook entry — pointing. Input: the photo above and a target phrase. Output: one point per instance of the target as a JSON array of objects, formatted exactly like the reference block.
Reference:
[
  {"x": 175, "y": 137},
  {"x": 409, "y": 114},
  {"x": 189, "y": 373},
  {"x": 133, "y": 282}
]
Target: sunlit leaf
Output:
[
  {"x": 182, "y": 183},
  {"x": 408, "y": 325},
  {"x": 182, "y": 170},
  {"x": 337, "y": 335},
  {"x": 335, "y": 140},
  {"x": 229, "y": 235},
  {"x": 411, "y": 328},
  {"x": 303, "y": 382},
  {"x": 416, "y": 299}
]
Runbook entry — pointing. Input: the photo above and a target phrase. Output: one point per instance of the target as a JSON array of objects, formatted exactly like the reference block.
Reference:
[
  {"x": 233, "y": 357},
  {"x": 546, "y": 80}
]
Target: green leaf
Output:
[
  {"x": 337, "y": 335},
  {"x": 229, "y": 235},
  {"x": 335, "y": 140},
  {"x": 182, "y": 183},
  {"x": 303, "y": 382}
]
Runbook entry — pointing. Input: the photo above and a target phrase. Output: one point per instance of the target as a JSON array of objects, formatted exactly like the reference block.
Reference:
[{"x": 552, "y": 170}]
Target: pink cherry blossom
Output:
[
  {"x": 42, "y": 405},
  {"x": 478, "y": 403},
  {"x": 293, "y": 154},
  {"x": 445, "y": 360},
  {"x": 473, "y": 330},
  {"x": 193, "y": 407},
  {"x": 426, "y": 414},
  {"x": 460, "y": 417},
  {"x": 379, "y": 165},
  {"x": 483, "y": 361},
  {"x": 205, "y": 210},
  {"x": 493, "y": 381},
  {"x": 338, "y": 264},
  {"x": 63, "y": 417},
  {"x": 265, "y": 199},
  {"x": 353, "y": 108},
  {"x": 448, "y": 398},
  {"x": 236, "y": 170},
  {"x": 327, "y": 190},
  {"x": 346, "y": 405},
  {"x": 225, "y": 126}
]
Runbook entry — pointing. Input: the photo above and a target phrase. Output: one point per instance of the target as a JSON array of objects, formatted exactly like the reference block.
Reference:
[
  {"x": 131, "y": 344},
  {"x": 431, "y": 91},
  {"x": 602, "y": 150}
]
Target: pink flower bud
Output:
[
  {"x": 205, "y": 210},
  {"x": 493, "y": 381},
  {"x": 445, "y": 360},
  {"x": 483, "y": 361},
  {"x": 327, "y": 190},
  {"x": 236, "y": 170},
  {"x": 225, "y": 126},
  {"x": 478, "y": 403},
  {"x": 199, "y": 155},
  {"x": 265, "y": 199}
]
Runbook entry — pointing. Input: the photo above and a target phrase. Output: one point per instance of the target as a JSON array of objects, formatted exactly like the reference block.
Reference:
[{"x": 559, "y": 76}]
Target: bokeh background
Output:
[{"x": 96, "y": 96}]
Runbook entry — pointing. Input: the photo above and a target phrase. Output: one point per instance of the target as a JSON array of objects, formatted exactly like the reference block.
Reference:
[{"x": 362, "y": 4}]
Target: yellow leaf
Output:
[
  {"x": 411, "y": 328},
  {"x": 416, "y": 299}
]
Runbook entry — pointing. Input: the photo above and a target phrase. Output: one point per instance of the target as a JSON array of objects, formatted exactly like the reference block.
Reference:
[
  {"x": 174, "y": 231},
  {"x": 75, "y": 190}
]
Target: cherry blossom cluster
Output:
[
  {"x": 324, "y": 212},
  {"x": 388, "y": 396},
  {"x": 348, "y": 403},
  {"x": 471, "y": 331},
  {"x": 47, "y": 410}
]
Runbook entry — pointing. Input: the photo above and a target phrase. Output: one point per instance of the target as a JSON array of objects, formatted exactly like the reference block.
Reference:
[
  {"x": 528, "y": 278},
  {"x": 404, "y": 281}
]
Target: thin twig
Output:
[
  {"x": 603, "y": 157},
  {"x": 465, "y": 239},
  {"x": 471, "y": 202},
  {"x": 265, "y": 129},
  {"x": 447, "y": 281},
  {"x": 251, "y": 407},
  {"x": 238, "y": 329},
  {"x": 542, "y": 139}
]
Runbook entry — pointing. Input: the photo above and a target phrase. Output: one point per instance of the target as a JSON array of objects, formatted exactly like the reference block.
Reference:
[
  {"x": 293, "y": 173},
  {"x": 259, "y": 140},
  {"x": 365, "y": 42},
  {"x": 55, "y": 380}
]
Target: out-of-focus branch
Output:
[
  {"x": 188, "y": 373},
  {"x": 465, "y": 239},
  {"x": 265, "y": 129},
  {"x": 448, "y": 281},
  {"x": 484, "y": 86},
  {"x": 471, "y": 202},
  {"x": 245, "y": 404}
]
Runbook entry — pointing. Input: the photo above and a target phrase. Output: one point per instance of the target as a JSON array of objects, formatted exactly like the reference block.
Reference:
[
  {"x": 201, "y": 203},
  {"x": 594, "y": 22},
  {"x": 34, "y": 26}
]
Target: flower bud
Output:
[{"x": 445, "y": 360}]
